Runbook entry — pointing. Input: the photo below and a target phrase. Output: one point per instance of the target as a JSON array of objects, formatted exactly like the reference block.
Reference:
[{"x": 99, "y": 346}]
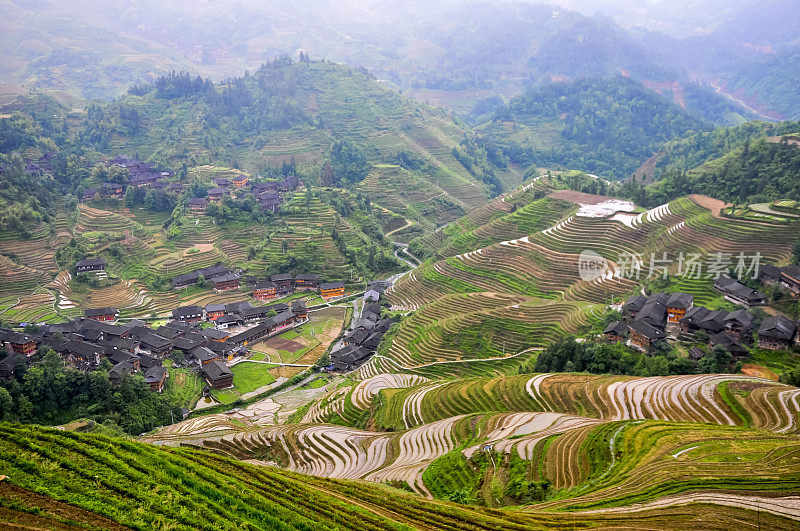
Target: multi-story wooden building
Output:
[
  {"x": 776, "y": 332},
  {"x": 226, "y": 282},
  {"x": 264, "y": 291},
  {"x": 102, "y": 314},
  {"x": 306, "y": 282},
  {"x": 330, "y": 290},
  {"x": 677, "y": 306},
  {"x": 214, "y": 311}
]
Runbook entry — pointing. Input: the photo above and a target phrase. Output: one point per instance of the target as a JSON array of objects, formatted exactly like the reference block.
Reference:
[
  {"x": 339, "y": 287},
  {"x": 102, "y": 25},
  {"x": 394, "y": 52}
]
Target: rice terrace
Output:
[{"x": 469, "y": 265}]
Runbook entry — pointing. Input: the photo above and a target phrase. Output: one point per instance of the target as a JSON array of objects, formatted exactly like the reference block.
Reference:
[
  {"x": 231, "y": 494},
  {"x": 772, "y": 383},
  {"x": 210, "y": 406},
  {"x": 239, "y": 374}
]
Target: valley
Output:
[{"x": 380, "y": 265}]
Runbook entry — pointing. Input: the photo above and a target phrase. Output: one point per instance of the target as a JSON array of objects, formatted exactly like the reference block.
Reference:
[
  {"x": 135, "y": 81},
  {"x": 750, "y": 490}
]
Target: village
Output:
[
  {"x": 145, "y": 176},
  {"x": 207, "y": 340},
  {"x": 660, "y": 317}
]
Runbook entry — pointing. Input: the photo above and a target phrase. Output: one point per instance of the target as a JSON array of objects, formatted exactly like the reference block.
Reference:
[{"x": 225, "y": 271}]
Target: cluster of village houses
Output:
[
  {"x": 136, "y": 347},
  {"x": 661, "y": 316},
  {"x": 146, "y": 175},
  {"x": 361, "y": 342}
]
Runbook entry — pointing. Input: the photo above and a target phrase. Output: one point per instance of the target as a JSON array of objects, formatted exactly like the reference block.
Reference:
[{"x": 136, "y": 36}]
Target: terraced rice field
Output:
[
  {"x": 713, "y": 398},
  {"x": 100, "y": 483},
  {"x": 530, "y": 261}
]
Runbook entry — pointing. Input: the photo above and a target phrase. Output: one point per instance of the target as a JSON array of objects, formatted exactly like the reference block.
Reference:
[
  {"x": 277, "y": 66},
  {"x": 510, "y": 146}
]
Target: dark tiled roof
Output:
[
  {"x": 680, "y": 300},
  {"x": 187, "y": 311},
  {"x": 215, "y": 370},
  {"x": 95, "y": 312},
  {"x": 778, "y": 327},
  {"x": 646, "y": 330}
]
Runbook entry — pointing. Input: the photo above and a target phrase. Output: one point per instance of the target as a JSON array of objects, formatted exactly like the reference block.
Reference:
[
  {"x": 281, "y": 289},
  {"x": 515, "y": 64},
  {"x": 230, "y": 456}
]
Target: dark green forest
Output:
[
  {"x": 608, "y": 126},
  {"x": 50, "y": 393}
]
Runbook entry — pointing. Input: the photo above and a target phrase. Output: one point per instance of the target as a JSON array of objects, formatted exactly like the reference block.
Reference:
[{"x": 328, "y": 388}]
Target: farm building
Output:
[
  {"x": 776, "y": 332},
  {"x": 90, "y": 265},
  {"x": 218, "y": 375},
  {"x": 102, "y": 314}
]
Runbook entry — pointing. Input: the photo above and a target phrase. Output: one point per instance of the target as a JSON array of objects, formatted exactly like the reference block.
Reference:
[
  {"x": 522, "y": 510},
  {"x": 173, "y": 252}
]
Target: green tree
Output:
[{"x": 348, "y": 162}]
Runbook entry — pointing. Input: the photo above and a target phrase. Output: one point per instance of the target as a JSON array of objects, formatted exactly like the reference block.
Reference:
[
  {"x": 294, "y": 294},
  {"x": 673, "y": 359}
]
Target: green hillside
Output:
[
  {"x": 285, "y": 111},
  {"x": 604, "y": 126}
]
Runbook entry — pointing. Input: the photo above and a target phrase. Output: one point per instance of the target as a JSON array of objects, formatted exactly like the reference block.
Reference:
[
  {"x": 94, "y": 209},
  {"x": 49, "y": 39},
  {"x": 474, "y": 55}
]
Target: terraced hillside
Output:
[
  {"x": 143, "y": 256},
  {"x": 513, "y": 290},
  {"x": 59, "y": 479},
  {"x": 295, "y": 111},
  {"x": 595, "y": 443}
]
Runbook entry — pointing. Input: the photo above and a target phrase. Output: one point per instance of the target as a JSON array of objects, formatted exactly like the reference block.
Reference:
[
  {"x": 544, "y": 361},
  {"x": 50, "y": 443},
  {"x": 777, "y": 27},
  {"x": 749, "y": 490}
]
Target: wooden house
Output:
[
  {"x": 214, "y": 311},
  {"x": 790, "y": 278},
  {"x": 643, "y": 335},
  {"x": 677, "y": 306},
  {"x": 226, "y": 282},
  {"x": 329, "y": 290},
  {"x": 737, "y": 350},
  {"x": 282, "y": 280},
  {"x": 155, "y": 378},
  {"x": 306, "y": 282},
  {"x": 264, "y": 290},
  {"x": 739, "y": 325},
  {"x": 90, "y": 265},
  {"x": 188, "y": 314},
  {"x": 102, "y": 314},
  {"x": 218, "y": 375},
  {"x": 616, "y": 331},
  {"x": 776, "y": 332},
  {"x": 20, "y": 343}
]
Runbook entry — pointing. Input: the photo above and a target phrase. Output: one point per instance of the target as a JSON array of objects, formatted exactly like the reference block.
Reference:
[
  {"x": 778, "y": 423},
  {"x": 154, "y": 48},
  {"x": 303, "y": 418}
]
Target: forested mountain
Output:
[
  {"x": 608, "y": 126},
  {"x": 450, "y": 53},
  {"x": 758, "y": 171}
]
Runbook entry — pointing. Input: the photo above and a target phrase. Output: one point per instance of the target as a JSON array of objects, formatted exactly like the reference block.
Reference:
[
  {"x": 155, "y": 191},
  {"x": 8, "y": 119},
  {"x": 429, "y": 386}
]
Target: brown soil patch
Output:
[
  {"x": 579, "y": 197},
  {"x": 714, "y": 205},
  {"x": 52, "y": 514},
  {"x": 203, "y": 247},
  {"x": 759, "y": 371},
  {"x": 283, "y": 344}
]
